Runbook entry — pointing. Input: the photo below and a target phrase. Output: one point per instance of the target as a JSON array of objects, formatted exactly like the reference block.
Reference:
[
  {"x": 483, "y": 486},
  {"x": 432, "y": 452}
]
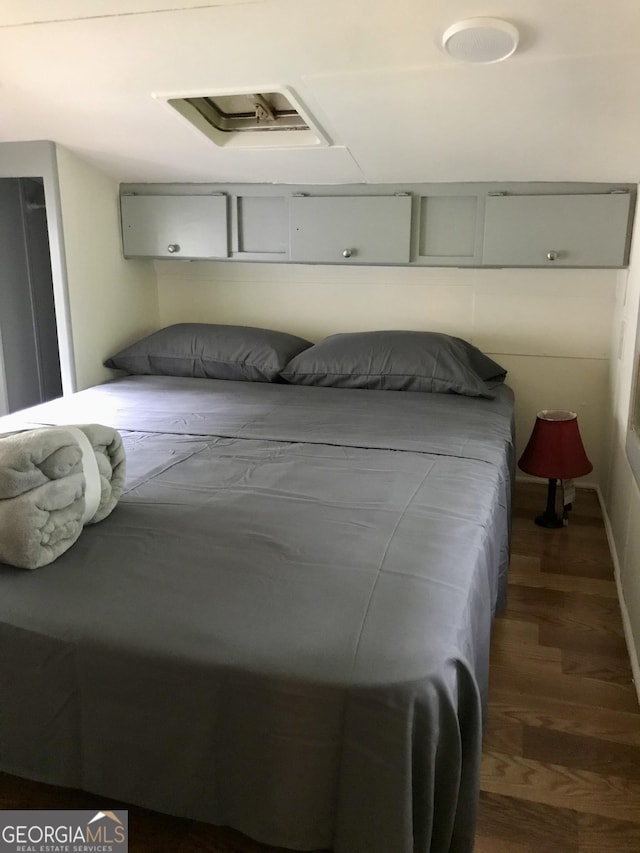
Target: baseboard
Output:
[{"x": 626, "y": 623}]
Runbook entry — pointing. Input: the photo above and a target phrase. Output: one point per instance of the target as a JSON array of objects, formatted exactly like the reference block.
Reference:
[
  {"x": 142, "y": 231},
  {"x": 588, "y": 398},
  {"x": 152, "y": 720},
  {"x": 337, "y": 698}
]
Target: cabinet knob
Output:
[
  {"x": 172, "y": 248},
  {"x": 346, "y": 253},
  {"x": 552, "y": 256}
]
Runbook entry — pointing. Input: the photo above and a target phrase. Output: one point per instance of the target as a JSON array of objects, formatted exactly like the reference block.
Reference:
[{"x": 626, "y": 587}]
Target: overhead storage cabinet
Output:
[
  {"x": 174, "y": 226},
  {"x": 437, "y": 225},
  {"x": 350, "y": 229},
  {"x": 588, "y": 230}
]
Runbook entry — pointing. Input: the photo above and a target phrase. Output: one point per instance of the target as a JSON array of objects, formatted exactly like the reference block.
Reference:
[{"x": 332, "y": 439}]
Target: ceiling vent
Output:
[{"x": 269, "y": 118}]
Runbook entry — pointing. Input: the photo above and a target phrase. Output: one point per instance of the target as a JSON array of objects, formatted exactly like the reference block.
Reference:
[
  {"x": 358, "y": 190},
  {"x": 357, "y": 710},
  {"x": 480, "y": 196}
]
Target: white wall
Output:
[
  {"x": 111, "y": 301},
  {"x": 621, "y": 492},
  {"x": 550, "y": 328}
]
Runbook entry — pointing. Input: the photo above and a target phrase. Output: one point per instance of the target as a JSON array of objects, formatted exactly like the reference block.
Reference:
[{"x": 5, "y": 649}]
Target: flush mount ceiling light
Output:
[{"x": 480, "y": 40}]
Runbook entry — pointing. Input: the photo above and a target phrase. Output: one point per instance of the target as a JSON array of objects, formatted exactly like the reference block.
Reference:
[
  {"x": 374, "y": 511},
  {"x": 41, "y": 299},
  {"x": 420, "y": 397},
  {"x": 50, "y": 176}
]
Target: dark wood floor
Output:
[{"x": 561, "y": 764}]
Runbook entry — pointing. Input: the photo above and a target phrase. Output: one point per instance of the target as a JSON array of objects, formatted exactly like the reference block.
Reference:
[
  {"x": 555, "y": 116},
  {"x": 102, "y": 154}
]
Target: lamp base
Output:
[
  {"x": 549, "y": 520},
  {"x": 550, "y": 517}
]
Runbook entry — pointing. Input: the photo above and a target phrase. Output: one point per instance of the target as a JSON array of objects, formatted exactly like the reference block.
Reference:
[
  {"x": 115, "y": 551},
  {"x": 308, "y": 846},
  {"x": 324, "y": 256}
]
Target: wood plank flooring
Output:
[{"x": 561, "y": 763}]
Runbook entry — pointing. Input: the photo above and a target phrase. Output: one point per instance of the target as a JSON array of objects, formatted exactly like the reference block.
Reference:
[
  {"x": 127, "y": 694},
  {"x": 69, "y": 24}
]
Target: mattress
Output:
[{"x": 284, "y": 624}]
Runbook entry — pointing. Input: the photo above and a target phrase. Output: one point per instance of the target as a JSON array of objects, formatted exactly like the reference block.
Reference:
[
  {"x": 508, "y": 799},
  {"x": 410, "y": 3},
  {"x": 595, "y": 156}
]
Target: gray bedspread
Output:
[{"x": 284, "y": 624}]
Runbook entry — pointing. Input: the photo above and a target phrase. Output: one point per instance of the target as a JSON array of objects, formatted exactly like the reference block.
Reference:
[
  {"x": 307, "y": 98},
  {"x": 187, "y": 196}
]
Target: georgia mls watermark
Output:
[{"x": 64, "y": 831}]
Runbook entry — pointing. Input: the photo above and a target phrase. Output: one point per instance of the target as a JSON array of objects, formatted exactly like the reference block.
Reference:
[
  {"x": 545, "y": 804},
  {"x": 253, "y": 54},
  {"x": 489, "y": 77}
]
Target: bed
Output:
[{"x": 284, "y": 624}]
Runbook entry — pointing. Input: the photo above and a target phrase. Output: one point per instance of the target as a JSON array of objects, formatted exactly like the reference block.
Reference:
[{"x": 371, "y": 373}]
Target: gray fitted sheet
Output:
[{"x": 284, "y": 624}]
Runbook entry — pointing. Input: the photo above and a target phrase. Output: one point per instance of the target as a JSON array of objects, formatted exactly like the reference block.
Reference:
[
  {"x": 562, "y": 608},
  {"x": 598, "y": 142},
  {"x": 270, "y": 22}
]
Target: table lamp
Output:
[{"x": 554, "y": 451}]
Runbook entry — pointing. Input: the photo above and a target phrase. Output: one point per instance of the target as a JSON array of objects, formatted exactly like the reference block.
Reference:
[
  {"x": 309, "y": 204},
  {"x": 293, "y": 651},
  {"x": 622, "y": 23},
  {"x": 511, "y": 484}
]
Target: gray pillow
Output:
[
  {"x": 394, "y": 361},
  {"x": 485, "y": 367},
  {"x": 211, "y": 351}
]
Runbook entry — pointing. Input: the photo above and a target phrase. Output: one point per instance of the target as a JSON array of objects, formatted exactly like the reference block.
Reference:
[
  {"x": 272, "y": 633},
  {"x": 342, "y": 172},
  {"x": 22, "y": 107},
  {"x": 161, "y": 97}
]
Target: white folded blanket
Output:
[{"x": 53, "y": 480}]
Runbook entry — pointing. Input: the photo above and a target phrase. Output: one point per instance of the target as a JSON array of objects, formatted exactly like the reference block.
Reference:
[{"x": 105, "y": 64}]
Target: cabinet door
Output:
[
  {"x": 174, "y": 226},
  {"x": 556, "y": 230},
  {"x": 349, "y": 229}
]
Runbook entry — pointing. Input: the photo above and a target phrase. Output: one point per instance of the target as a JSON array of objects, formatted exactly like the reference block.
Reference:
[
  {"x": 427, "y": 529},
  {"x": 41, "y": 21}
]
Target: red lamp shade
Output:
[{"x": 555, "y": 449}]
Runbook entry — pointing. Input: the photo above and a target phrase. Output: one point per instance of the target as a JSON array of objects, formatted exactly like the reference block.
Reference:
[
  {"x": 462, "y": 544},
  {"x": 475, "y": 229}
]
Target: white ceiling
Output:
[{"x": 565, "y": 106}]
